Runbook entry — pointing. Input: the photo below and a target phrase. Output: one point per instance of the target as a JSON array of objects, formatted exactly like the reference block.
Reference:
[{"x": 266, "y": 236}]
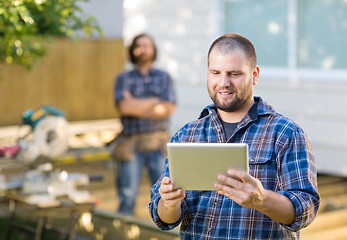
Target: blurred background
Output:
[{"x": 301, "y": 48}]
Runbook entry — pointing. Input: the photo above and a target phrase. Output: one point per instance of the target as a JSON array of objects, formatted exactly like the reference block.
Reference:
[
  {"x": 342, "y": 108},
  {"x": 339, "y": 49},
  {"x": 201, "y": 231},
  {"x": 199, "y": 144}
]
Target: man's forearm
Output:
[
  {"x": 151, "y": 108},
  {"x": 161, "y": 110},
  {"x": 137, "y": 107},
  {"x": 278, "y": 207},
  {"x": 168, "y": 215}
]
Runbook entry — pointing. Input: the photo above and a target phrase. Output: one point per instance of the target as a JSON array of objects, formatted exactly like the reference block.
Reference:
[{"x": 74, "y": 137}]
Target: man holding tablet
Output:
[{"x": 278, "y": 196}]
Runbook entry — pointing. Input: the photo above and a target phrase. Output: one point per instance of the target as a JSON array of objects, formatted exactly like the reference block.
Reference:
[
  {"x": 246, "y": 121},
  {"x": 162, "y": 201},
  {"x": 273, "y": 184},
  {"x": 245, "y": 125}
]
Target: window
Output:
[
  {"x": 265, "y": 24},
  {"x": 322, "y": 34},
  {"x": 307, "y": 34}
]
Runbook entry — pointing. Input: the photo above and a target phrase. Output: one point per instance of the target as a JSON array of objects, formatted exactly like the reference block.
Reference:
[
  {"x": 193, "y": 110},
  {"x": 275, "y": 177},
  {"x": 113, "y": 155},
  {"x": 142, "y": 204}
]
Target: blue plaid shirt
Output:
[
  {"x": 280, "y": 156},
  {"x": 156, "y": 84}
]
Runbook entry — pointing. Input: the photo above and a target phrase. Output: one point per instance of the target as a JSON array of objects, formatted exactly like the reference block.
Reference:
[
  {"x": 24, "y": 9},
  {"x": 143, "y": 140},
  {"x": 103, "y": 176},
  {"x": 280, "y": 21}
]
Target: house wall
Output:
[
  {"x": 184, "y": 30},
  {"x": 318, "y": 107},
  {"x": 108, "y": 13}
]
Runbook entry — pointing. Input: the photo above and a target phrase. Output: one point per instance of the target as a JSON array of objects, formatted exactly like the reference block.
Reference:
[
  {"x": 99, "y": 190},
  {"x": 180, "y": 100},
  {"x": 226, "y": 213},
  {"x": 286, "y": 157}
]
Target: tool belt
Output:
[{"x": 125, "y": 145}]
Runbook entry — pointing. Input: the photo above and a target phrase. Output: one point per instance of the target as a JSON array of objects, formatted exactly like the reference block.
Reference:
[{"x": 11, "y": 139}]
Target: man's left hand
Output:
[{"x": 242, "y": 188}]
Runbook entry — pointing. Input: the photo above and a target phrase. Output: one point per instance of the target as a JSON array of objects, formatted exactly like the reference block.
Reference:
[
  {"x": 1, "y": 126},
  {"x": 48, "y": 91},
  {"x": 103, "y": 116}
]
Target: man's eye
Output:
[{"x": 235, "y": 74}]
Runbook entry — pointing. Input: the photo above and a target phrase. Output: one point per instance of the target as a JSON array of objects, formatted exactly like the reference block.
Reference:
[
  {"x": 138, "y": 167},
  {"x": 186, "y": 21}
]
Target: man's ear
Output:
[{"x": 255, "y": 75}]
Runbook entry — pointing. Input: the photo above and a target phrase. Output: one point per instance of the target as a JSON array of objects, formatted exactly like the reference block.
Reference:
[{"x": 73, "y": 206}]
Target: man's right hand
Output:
[{"x": 169, "y": 207}]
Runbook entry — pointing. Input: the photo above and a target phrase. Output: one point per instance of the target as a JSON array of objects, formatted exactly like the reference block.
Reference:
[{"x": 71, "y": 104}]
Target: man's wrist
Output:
[{"x": 168, "y": 214}]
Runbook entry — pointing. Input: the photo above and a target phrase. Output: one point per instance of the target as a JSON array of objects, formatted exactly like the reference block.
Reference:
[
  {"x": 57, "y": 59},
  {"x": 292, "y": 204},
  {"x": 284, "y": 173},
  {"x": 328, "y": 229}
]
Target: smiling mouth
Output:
[{"x": 226, "y": 93}]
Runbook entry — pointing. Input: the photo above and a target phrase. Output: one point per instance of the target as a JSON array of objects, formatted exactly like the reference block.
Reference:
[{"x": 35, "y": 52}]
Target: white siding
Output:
[
  {"x": 108, "y": 13},
  {"x": 184, "y": 30},
  {"x": 319, "y": 108}
]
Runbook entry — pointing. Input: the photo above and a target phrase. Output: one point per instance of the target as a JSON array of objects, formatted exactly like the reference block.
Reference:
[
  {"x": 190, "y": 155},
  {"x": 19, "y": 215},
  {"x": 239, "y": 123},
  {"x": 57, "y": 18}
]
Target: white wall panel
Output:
[
  {"x": 319, "y": 108},
  {"x": 184, "y": 30},
  {"x": 108, "y": 13}
]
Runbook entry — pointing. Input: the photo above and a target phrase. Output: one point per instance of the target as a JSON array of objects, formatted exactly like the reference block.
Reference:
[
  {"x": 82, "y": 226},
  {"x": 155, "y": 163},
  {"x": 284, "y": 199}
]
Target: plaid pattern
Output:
[
  {"x": 156, "y": 84},
  {"x": 280, "y": 156}
]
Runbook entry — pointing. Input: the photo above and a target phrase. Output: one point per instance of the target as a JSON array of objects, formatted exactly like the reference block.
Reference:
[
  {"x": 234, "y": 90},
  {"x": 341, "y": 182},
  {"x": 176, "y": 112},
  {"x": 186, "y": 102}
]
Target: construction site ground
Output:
[{"x": 89, "y": 155}]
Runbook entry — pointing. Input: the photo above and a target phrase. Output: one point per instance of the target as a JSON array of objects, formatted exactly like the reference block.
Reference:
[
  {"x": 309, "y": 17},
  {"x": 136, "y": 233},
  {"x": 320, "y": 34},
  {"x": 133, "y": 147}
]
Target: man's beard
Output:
[
  {"x": 143, "y": 60},
  {"x": 230, "y": 106}
]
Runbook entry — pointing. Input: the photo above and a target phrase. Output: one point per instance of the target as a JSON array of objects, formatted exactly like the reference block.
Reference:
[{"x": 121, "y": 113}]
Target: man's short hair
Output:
[
  {"x": 133, "y": 59},
  {"x": 231, "y": 41}
]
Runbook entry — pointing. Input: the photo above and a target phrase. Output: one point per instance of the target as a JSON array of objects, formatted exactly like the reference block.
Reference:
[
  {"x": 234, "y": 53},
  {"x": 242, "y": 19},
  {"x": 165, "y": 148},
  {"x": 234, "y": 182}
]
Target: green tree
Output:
[{"x": 27, "y": 26}]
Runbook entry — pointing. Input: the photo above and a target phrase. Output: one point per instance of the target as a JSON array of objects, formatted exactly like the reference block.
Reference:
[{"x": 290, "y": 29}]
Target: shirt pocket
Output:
[
  {"x": 263, "y": 167},
  {"x": 259, "y": 157},
  {"x": 157, "y": 90},
  {"x": 259, "y": 160}
]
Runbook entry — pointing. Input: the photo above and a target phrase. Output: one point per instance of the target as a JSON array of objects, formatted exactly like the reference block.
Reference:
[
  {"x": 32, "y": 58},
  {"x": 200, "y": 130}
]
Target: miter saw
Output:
[{"x": 48, "y": 136}]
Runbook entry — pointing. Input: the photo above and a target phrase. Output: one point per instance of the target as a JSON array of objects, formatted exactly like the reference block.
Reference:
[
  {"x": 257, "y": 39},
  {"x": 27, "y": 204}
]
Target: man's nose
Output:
[{"x": 224, "y": 80}]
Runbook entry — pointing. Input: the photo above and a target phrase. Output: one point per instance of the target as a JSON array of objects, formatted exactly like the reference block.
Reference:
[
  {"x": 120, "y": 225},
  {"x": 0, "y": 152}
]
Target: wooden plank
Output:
[
  {"x": 335, "y": 233},
  {"x": 326, "y": 221},
  {"x": 333, "y": 202},
  {"x": 333, "y": 189},
  {"x": 328, "y": 179}
]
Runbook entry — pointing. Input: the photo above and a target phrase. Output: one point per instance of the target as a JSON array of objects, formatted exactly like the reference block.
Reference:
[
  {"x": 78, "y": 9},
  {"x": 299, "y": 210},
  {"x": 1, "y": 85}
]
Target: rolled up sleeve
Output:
[
  {"x": 306, "y": 208},
  {"x": 299, "y": 181},
  {"x": 153, "y": 205},
  {"x": 153, "y": 209}
]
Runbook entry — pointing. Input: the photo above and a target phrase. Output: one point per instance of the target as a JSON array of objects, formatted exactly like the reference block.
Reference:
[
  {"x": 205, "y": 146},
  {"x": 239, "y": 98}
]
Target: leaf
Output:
[{"x": 27, "y": 25}]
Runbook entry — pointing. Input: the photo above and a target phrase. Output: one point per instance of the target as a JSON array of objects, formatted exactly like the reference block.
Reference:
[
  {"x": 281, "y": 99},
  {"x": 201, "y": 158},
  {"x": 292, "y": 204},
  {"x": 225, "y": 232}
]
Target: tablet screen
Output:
[{"x": 196, "y": 166}]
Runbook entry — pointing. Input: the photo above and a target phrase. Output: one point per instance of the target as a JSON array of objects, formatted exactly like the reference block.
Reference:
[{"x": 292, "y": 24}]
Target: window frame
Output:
[{"x": 292, "y": 71}]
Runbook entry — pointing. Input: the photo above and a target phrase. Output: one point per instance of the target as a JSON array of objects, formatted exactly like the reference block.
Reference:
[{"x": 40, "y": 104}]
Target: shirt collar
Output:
[
  {"x": 259, "y": 108},
  {"x": 137, "y": 71}
]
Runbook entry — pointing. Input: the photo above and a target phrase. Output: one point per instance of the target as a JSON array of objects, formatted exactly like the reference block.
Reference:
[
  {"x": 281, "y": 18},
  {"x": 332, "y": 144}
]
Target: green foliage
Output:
[{"x": 27, "y": 26}]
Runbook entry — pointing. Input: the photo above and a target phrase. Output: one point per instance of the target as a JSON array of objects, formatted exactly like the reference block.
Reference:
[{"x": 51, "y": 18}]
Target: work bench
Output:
[{"x": 40, "y": 219}]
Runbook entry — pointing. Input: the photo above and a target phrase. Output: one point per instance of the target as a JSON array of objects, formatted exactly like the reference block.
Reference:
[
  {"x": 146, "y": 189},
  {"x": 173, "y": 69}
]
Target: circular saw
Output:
[{"x": 49, "y": 137}]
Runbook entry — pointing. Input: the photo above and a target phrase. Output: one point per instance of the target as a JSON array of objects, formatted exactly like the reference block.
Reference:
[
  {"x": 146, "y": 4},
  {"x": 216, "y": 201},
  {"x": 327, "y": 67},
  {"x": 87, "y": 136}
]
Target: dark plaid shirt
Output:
[
  {"x": 156, "y": 84},
  {"x": 280, "y": 156}
]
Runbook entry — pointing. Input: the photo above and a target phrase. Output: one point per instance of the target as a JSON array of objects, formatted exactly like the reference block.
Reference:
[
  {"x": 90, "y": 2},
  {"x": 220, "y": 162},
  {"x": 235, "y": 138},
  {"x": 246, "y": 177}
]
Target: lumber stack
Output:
[{"x": 331, "y": 221}]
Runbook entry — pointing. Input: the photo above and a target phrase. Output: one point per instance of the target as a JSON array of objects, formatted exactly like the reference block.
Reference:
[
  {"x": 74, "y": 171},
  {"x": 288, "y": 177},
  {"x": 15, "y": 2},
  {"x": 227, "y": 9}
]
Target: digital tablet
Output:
[{"x": 196, "y": 166}]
